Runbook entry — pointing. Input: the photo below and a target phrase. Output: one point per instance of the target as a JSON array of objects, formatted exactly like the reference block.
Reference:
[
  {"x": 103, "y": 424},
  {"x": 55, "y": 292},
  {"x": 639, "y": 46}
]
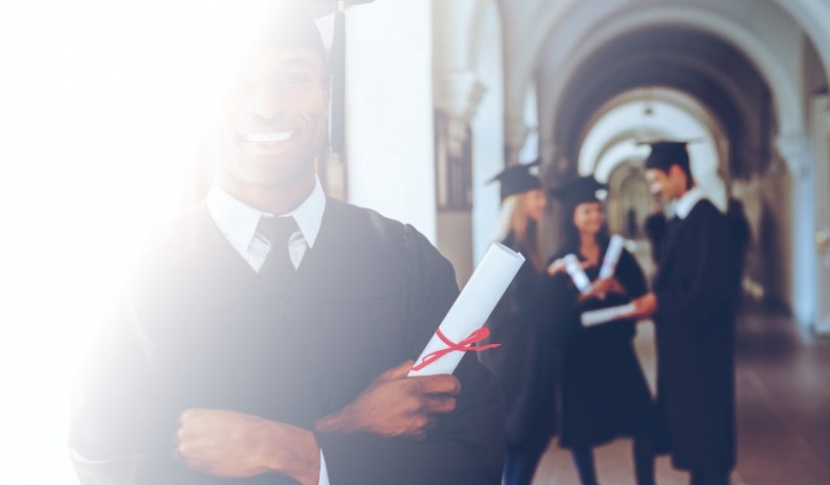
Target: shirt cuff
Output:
[{"x": 324, "y": 474}]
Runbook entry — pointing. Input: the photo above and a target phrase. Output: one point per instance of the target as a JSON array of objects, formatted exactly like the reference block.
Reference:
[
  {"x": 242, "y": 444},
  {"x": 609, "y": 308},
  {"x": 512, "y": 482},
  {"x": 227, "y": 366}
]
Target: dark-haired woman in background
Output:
[
  {"x": 521, "y": 322},
  {"x": 604, "y": 391}
]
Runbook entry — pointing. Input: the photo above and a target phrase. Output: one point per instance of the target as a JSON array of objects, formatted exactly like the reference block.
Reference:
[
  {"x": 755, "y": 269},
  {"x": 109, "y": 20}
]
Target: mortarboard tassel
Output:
[{"x": 337, "y": 60}]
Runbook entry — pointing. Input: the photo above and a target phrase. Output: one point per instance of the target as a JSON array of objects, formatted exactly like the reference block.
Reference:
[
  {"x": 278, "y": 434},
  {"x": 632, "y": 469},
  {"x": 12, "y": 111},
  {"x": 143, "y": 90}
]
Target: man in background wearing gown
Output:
[{"x": 692, "y": 305}]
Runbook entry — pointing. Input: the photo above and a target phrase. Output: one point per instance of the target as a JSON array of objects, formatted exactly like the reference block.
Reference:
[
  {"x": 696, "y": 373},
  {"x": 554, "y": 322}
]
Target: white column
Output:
[
  {"x": 821, "y": 181},
  {"x": 389, "y": 110},
  {"x": 487, "y": 128},
  {"x": 794, "y": 148}
]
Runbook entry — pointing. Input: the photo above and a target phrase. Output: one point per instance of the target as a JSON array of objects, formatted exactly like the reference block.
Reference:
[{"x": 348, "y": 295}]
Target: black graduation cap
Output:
[
  {"x": 296, "y": 27},
  {"x": 578, "y": 191},
  {"x": 322, "y": 8},
  {"x": 665, "y": 153},
  {"x": 517, "y": 179},
  {"x": 337, "y": 68}
]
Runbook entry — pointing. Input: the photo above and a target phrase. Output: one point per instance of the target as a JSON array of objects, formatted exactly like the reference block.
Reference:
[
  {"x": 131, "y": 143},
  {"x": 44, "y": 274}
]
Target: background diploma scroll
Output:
[
  {"x": 574, "y": 269},
  {"x": 472, "y": 307},
  {"x": 605, "y": 315},
  {"x": 612, "y": 256}
]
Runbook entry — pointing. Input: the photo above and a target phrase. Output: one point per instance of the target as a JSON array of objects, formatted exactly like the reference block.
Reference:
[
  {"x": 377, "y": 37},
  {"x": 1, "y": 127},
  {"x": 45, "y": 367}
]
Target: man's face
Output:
[
  {"x": 275, "y": 117},
  {"x": 663, "y": 184}
]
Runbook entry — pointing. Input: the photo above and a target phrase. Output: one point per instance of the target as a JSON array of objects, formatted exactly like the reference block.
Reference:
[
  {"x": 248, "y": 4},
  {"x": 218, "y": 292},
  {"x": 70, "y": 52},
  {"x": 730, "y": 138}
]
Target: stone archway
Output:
[
  {"x": 527, "y": 29},
  {"x": 580, "y": 111},
  {"x": 546, "y": 44}
]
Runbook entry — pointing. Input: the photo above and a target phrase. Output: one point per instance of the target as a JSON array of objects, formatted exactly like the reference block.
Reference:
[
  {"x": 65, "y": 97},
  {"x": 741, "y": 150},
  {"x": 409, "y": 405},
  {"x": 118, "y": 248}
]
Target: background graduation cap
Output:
[
  {"x": 665, "y": 153},
  {"x": 517, "y": 179},
  {"x": 579, "y": 191},
  {"x": 296, "y": 27}
]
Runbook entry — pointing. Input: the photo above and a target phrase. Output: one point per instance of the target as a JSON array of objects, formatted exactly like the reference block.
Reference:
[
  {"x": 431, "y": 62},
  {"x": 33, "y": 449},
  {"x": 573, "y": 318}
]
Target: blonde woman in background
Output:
[{"x": 524, "y": 364}]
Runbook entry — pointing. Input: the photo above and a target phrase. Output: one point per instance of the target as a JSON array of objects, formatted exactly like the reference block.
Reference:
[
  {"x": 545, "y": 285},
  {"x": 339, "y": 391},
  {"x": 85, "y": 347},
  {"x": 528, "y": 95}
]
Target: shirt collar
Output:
[
  {"x": 238, "y": 221},
  {"x": 309, "y": 215},
  {"x": 685, "y": 204}
]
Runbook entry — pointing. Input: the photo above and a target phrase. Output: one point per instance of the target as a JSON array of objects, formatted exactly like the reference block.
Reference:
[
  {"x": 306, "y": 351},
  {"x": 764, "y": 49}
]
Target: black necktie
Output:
[{"x": 277, "y": 230}]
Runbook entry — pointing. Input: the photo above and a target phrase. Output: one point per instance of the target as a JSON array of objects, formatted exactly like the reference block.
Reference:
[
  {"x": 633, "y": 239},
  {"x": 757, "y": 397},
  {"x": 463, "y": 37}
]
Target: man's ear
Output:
[{"x": 677, "y": 173}]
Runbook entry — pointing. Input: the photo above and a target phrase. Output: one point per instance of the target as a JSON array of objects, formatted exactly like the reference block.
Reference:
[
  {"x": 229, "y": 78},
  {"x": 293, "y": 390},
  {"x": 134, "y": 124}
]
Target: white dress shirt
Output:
[
  {"x": 685, "y": 204},
  {"x": 238, "y": 223}
]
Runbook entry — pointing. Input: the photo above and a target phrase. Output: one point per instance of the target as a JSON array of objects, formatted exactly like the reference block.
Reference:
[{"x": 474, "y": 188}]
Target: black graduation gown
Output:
[
  {"x": 656, "y": 227},
  {"x": 695, "y": 329},
  {"x": 604, "y": 391},
  {"x": 203, "y": 330},
  {"x": 739, "y": 238},
  {"x": 524, "y": 364}
]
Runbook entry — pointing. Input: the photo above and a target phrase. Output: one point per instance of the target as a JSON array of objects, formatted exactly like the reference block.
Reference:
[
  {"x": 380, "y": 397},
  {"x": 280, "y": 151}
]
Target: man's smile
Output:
[{"x": 269, "y": 138}]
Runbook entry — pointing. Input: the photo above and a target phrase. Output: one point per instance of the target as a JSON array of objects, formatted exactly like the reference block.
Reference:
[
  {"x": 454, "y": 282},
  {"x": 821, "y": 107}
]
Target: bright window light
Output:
[{"x": 102, "y": 104}]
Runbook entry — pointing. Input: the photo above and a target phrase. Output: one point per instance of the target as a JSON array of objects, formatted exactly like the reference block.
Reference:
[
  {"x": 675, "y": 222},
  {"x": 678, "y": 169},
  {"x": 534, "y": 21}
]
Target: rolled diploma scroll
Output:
[
  {"x": 605, "y": 315},
  {"x": 574, "y": 269},
  {"x": 473, "y": 306},
  {"x": 612, "y": 256}
]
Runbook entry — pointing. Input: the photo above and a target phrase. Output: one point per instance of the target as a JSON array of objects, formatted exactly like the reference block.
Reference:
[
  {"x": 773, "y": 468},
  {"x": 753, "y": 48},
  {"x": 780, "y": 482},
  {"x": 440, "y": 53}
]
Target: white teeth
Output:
[{"x": 269, "y": 137}]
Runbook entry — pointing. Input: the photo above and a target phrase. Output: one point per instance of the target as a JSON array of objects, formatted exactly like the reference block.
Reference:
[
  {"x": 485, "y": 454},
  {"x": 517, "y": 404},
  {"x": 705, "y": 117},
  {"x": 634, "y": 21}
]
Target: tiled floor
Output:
[{"x": 783, "y": 399}]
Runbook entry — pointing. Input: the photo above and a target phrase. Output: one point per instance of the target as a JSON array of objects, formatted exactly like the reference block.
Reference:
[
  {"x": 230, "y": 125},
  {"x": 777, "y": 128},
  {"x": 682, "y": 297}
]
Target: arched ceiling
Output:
[
  {"x": 531, "y": 26},
  {"x": 614, "y": 137},
  {"x": 683, "y": 59}
]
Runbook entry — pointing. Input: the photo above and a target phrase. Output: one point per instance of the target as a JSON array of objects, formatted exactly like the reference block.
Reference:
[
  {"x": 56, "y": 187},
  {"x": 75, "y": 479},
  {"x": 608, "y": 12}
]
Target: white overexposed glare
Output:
[
  {"x": 102, "y": 104},
  {"x": 391, "y": 165}
]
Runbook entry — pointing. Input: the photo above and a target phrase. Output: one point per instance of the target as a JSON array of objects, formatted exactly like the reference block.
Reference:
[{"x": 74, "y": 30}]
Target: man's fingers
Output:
[
  {"x": 420, "y": 432},
  {"x": 440, "y": 384},
  {"x": 440, "y": 405},
  {"x": 398, "y": 372},
  {"x": 557, "y": 266},
  {"x": 605, "y": 286},
  {"x": 188, "y": 415},
  {"x": 638, "y": 309}
]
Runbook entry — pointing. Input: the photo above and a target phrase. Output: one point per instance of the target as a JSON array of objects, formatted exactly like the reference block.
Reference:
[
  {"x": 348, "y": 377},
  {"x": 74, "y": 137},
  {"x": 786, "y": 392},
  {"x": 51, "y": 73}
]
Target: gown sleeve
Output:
[
  {"x": 522, "y": 303},
  {"x": 564, "y": 309},
  {"x": 120, "y": 434},
  {"x": 630, "y": 275},
  {"x": 691, "y": 302},
  {"x": 656, "y": 227},
  {"x": 467, "y": 446}
]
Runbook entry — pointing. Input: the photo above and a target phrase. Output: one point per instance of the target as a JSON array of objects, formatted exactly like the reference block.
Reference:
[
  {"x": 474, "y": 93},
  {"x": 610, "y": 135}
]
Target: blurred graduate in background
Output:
[
  {"x": 604, "y": 391},
  {"x": 522, "y": 323}
]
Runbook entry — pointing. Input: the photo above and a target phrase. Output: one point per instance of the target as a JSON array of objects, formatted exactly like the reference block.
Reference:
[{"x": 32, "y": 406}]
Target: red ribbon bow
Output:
[{"x": 463, "y": 346}]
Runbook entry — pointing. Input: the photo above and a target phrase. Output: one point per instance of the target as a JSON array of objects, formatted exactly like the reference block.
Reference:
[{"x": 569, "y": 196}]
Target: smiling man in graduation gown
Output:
[
  {"x": 266, "y": 337},
  {"x": 692, "y": 306}
]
